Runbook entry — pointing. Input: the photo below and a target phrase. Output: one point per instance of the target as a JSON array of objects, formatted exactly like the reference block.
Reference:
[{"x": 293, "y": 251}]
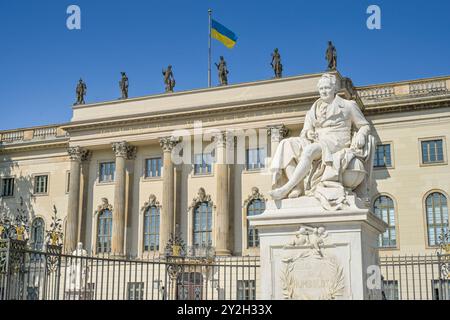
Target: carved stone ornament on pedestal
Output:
[{"x": 308, "y": 272}]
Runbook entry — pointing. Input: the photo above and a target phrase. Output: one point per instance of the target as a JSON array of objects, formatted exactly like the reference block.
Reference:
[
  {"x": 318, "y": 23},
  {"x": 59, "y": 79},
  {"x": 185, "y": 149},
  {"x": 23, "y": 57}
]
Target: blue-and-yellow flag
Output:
[{"x": 224, "y": 35}]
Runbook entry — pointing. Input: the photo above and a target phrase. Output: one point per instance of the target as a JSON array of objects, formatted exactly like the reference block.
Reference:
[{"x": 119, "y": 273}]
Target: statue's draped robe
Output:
[{"x": 334, "y": 126}]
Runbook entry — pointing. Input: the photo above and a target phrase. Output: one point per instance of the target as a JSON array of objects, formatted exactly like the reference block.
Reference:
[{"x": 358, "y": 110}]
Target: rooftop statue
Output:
[
  {"x": 81, "y": 92},
  {"x": 223, "y": 71},
  {"x": 169, "y": 80},
  {"x": 123, "y": 84},
  {"x": 331, "y": 158},
  {"x": 276, "y": 64},
  {"x": 331, "y": 56}
]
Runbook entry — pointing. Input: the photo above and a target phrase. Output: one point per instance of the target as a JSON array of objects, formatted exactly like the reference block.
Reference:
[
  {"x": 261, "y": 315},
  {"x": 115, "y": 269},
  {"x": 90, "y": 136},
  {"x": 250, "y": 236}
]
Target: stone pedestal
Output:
[{"x": 310, "y": 253}]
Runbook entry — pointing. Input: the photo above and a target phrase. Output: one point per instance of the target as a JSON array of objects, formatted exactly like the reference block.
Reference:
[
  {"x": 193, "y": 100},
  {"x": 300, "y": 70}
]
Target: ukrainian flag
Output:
[{"x": 224, "y": 35}]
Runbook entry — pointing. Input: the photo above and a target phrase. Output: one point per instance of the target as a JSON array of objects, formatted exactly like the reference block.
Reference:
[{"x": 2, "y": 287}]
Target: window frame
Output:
[
  {"x": 209, "y": 218},
  {"x": 99, "y": 166},
  {"x": 2, "y": 186},
  {"x": 97, "y": 242},
  {"x": 391, "y": 146},
  {"x": 33, "y": 233},
  {"x": 395, "y": 227},
  {"x": 144, "y": 173},
  {"x": 242, "y": 286},
  {"x": 425, "y": 216},
  {"x": 248, "y": 227},
  {"x": 135, "y": 287},
  {"x": 211, "y": 165},
  {"x": 35, "y": 176},
  {"x": 262, "y": 162},
  {"x": 150, "y": 234},
  {"x": 444, "y": 151}
]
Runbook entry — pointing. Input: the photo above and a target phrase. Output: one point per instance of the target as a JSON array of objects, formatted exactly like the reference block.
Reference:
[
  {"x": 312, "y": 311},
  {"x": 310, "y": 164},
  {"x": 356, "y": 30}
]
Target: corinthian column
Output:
[
  {"x": 167, "y": 222},
  {"x": 77, "y": 155},
  {"x": 123, "y": 151},
  {"x": 276, "y": 133},
  {"x": 222, "y": 218}
]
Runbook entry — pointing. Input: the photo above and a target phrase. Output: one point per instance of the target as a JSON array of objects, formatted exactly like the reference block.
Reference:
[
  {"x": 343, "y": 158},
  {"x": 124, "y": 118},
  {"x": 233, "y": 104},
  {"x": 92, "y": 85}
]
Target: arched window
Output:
[
  {"x": 151, "y": 229},
  {"x": 37, "y": 234},
  {"x": 384, "y": 209},
  {"x": 437, "y": 217},
  {"x": 104, "y": 231},
  {"x": 203, "y": 224},
  {"x": 254, "y": 208}
]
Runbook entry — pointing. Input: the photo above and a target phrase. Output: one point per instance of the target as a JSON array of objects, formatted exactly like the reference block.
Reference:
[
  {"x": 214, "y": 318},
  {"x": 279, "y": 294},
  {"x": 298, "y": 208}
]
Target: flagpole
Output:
[{"x": 209, "y": 49}]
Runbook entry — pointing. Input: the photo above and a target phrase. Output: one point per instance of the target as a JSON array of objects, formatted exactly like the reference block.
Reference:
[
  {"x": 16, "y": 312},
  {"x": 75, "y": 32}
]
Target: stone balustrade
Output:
[
  {"x": 32, "y": 134},
  {"x": 407, "y": 89}
]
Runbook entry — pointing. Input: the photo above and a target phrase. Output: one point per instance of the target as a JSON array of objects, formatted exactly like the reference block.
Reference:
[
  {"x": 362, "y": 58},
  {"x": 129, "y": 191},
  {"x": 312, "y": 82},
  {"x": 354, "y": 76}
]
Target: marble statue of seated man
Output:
[{"x": 332, "y": 155}]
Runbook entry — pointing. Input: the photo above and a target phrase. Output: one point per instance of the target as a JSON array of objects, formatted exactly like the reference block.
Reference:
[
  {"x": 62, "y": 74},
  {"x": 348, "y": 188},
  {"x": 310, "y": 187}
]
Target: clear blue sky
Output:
[{"x": 41, "y": 60}]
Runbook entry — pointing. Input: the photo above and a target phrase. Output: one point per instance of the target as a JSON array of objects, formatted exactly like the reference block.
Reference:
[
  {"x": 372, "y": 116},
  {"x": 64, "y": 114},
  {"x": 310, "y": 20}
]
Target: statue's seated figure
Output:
[{"x": 331, "y": 158}]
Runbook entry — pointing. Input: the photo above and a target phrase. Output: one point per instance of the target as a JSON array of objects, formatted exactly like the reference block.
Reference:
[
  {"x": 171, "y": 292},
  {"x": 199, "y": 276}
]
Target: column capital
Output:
[
  {"x": 277, "y": 132},
  {"x": 124, "y": 150},
  {"x": 79, "y": 154},
  {"x": 168, "y": 143},
  {"x": 224, "y": 139}
]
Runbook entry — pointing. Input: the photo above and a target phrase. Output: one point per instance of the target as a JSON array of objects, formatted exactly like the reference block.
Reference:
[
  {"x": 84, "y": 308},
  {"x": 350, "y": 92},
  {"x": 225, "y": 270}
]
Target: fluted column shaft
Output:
[
  {"x": 167, "y": 218},
  {"x": 222, "y": 223},
  {"x": 123, "y": 151},
  {"x": 77, "y": 155}
]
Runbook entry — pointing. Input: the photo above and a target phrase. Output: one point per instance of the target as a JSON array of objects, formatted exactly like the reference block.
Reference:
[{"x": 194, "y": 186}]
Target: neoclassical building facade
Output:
[{"x": 124, "y": 175}]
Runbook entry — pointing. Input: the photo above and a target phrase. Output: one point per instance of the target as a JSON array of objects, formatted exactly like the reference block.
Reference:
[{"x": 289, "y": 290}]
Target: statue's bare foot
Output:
[
  {"x": 295, "y": 194},
  {"x": 279, "y": 193}
]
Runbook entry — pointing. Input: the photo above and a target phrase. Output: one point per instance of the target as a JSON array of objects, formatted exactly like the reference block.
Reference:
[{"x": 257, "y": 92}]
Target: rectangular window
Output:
[
  {"x": 203, "y": 163},
  {"x": 255, "y": 158},
  {"x": 246, "y": 290},
  {"x": 153, "y": 167},
  {"x": 135, "y": 291},
  {"x": 383, "y": 156},
  {"x": 107, "y": 170},
  {"x": 432, "y": 151},
  {"x": 40, "y": 184},
  {"x": 390, "y": 289},
  {"x": 8, "y": 187}
]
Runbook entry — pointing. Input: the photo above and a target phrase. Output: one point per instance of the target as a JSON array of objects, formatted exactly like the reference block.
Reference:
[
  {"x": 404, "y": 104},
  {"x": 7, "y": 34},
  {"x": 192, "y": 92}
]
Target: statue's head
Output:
[
  {"x": 330, "y": 43},
  {"x": 80, "y": 246},
  {"x": 169, "y": 67},
  {"x": 327, "y": 87},
  {"x": 276, "y": 50},
  {"x": 221, "y": 58}
]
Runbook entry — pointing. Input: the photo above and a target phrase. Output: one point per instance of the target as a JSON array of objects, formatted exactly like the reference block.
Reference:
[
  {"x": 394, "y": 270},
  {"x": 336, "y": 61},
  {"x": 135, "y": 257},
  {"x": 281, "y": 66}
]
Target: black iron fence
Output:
[
  {"x": 50, "y": 275},
  {"x": 416, "y": 277}
]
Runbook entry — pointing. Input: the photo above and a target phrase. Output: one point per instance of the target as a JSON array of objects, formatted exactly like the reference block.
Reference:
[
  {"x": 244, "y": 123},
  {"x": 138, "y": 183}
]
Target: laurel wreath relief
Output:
[{"x": 335, "y": 289}]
